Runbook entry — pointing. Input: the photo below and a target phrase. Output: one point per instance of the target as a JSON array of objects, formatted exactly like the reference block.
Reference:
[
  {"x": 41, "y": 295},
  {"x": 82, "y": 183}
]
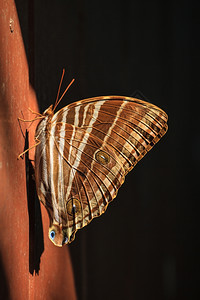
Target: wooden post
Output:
[{"x": 31, "y": 267}]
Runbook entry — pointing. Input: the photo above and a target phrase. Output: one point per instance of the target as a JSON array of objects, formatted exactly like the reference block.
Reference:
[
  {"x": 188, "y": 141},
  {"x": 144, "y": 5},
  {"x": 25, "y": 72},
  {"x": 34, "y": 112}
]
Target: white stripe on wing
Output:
[
  {"x": 82, "y": 144},
  {"x": 51, "y": 163}
]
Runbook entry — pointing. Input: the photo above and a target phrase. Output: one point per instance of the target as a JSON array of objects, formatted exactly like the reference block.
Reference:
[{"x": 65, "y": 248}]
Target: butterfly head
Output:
[
  {"x": 58, "y": 235},
  {"x": 49, "y": 111}
]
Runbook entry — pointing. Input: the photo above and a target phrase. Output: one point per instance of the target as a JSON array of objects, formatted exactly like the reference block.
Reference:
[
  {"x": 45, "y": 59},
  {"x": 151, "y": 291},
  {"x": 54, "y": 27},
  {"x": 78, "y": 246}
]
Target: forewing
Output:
[{"x": 130, "y": 126}]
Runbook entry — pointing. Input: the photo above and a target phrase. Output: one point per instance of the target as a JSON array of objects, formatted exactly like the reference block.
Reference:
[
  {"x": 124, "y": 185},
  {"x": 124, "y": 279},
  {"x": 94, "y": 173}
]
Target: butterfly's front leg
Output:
[{"x": 37, "y": 143}]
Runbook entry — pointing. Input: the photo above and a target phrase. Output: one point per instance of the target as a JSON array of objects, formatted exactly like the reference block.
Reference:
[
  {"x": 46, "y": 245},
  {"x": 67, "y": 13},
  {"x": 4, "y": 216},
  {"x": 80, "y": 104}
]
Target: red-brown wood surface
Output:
[{"x": 26, "y": 271}]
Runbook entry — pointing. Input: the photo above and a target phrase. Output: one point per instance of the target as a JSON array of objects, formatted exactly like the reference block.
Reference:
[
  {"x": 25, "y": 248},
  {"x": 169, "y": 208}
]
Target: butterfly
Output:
[{"x": 83, "y": 153}]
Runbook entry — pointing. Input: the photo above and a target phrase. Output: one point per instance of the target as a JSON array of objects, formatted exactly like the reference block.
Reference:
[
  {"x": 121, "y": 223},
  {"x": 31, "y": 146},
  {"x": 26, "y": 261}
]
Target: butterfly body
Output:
[{"x": 85, "y": 151}]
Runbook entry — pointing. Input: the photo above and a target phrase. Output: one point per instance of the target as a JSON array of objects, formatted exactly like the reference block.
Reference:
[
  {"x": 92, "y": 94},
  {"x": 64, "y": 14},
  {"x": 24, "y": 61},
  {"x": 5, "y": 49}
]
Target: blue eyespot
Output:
[
  {"x": 52, "y": 234},
  {"x": 65, "y": 241}
]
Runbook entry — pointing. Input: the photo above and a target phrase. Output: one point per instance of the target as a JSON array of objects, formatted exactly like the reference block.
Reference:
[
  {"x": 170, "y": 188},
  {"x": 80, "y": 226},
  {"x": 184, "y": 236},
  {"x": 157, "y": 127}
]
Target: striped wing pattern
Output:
[{"x": 86, "y": 150}]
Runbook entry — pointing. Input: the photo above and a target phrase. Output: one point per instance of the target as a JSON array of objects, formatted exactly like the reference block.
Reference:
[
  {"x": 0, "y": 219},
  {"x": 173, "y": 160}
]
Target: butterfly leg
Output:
[
  {"x": 38, "y": 142},
  {"x": 32, "y": 120},
  {"x": 34, "y": 112}
]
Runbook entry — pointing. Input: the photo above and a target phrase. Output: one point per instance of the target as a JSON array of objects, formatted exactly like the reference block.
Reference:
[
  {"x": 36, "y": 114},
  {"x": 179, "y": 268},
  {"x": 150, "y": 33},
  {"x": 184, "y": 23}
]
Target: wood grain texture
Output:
[{"x": 53, "y": 277}]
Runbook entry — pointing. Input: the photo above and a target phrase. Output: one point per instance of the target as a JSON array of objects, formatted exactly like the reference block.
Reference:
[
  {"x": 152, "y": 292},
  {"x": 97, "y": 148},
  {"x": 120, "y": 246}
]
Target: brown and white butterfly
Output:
[{"x": 83, "y": 154}]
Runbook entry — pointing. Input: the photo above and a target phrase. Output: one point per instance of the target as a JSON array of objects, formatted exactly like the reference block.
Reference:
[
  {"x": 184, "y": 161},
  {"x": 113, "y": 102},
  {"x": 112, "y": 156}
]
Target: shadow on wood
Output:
[
  {"x": 5, "y": 293},
  {"x": 36, "y": 239}
]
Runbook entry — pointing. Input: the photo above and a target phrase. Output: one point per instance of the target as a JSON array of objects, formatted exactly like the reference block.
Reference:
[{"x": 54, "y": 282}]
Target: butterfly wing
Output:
[
  {"x": 130, "y": 126},
  {"x": 92, "y": 145},
  {"x": 91, "y": 175}
]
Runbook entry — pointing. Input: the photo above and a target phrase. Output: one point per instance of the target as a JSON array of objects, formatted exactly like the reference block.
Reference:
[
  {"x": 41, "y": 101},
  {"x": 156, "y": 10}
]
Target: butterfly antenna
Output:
[
  {"x": 58, "y": 100},
  {"x": 61, "y": 80}
]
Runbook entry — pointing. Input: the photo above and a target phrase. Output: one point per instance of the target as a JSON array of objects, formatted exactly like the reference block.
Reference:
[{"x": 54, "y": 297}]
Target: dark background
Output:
[{"x": 145, "y": 245}]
